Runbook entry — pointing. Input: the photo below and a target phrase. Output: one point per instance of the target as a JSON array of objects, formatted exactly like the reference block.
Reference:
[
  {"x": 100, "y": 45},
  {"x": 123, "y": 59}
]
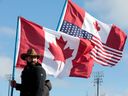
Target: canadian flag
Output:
[
  {"x": 62, "y": 55},
  {"x": 109, "y": 40}
]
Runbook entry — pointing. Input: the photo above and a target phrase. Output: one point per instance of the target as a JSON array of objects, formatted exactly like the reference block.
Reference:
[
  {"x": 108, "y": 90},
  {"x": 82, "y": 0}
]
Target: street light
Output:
[
  {"x": 98, "y": 80},
  {"x": 8, "y": 76}
]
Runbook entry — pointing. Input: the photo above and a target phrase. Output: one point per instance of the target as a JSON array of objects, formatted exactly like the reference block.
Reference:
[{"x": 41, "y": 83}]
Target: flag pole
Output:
[
  {"x": 14, "y": 58},
  {"x": 62, "y": 15}
]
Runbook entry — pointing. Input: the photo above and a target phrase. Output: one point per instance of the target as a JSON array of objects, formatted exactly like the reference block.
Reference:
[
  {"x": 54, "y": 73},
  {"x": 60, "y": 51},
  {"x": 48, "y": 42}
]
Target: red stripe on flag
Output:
[
  {"x": 102, "y": 61},
  {"x": 74, "y": 14},
  {"x": 31, "y": 36},
  {"x": 98, "y": 51},
  {"x": 111, "y": 59},
  {"x": 107, "y": 50},
  {"x": 103, "y": 46}
]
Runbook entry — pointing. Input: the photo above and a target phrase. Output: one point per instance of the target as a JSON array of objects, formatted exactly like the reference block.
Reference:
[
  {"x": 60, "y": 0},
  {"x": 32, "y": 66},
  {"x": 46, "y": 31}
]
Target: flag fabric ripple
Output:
[
  {"x": 109, "y": 39},
  {"x": 62, "y": 55}
]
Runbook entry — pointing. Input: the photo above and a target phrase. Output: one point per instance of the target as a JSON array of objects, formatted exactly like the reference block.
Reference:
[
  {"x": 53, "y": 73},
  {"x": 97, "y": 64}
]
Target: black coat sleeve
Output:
[
  {"x": 40, "y": 76},
  {"x": 18, "y": 86},
  {"x": 48, "y": 84}
]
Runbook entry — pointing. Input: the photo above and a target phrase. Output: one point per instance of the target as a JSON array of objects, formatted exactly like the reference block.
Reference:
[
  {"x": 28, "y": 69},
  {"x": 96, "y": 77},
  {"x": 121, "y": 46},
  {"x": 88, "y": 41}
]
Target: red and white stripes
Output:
[{"x": 105, "y": 55}]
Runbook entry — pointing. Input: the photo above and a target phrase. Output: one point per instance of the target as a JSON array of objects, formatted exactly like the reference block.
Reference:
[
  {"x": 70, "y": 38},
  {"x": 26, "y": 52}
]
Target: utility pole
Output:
[
  {"x": 8, "y": 76},
  {"x": 98, "y": 80}
]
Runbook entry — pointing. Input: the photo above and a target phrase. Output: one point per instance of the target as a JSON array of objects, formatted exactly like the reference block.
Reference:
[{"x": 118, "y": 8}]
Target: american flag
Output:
[
  {"x": 101, "y": 53},
  {"x": 75, "y": 31},
  {"x": 109, "y": 40}
]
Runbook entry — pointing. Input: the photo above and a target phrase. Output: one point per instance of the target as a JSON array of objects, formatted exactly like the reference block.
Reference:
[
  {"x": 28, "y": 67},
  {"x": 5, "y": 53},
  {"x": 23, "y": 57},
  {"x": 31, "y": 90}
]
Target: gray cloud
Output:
[
  {"x": 60, "y": 83},
  {"x": 125, "y": 93},
  {"x": 5, "y": 66},
  {"x": 7, "y": 31}
]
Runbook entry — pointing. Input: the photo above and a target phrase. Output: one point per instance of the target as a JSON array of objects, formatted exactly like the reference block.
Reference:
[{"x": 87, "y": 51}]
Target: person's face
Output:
[{"x": 32, "y": 60}]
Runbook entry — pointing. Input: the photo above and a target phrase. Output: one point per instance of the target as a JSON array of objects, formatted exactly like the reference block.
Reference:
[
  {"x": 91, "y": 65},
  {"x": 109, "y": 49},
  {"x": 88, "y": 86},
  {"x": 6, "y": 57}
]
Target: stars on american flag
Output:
[{"x": 75, "y": 31}]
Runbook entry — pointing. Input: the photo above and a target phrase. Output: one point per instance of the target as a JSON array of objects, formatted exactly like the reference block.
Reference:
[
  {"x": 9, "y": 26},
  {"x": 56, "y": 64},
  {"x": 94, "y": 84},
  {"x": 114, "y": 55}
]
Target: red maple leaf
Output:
[
  {"x": 58, "y": 50},
  {"x": 97, "y": 27}
]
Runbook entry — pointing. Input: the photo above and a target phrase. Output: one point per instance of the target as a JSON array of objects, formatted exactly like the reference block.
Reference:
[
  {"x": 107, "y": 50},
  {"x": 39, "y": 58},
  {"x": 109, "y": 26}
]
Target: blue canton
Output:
[{"x": 75, "y": 31}]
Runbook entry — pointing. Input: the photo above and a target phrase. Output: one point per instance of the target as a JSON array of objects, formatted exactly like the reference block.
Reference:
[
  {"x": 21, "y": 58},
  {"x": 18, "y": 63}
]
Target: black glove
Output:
[{"x": 48, "y": 84}]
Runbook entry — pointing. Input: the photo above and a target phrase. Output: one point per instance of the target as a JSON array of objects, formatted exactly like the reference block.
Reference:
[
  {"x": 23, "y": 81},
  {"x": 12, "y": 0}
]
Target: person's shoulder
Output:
[{"x": 38, "y": 67}]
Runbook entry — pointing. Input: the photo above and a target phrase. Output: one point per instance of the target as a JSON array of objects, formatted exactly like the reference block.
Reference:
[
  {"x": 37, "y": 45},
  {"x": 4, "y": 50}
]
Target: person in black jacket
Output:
[{"x": 33, "y": 77}]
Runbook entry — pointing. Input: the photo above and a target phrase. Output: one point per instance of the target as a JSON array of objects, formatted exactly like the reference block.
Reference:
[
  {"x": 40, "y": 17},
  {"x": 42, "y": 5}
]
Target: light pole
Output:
[
  {"x": 8, "y": 76},
  {"x": 98, "y": 80}
]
